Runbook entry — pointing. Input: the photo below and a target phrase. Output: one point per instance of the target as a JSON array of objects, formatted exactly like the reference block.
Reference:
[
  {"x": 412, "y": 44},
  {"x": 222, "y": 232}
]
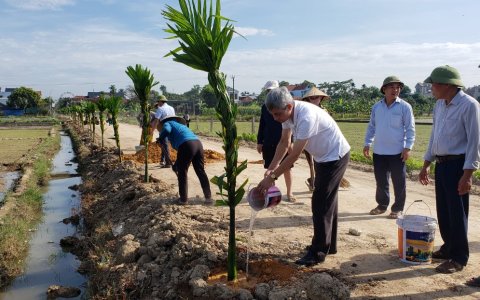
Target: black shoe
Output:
[
  {"x": 311, "y": 258},
  {"x": 439, "y": 254},
  {"x": 165, "y": 166},
  {"x": 181, "y": 202}
]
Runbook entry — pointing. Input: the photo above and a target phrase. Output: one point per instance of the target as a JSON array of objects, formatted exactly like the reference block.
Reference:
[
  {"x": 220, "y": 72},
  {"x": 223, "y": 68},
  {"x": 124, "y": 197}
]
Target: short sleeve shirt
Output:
[{"x": 325, "y": 139}]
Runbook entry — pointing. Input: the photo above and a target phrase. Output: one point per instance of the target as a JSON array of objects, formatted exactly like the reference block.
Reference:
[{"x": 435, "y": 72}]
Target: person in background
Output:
[
  {"x": 189, "y": 151},
  {"x": 186, "y": 116},
  {"x": 311, "y": 127},
  {"x": 268, "y": 137},
  {"x": 163, "y": 110},
  {"x": 314, "y": 96},
  {"x": 455, "y": 147},
  {"x": 392, "y": 130}
]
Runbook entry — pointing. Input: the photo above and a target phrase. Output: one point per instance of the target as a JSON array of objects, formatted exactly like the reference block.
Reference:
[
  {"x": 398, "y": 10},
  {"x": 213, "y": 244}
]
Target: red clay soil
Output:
[
  {"x": 259, "y": 271},
  {"x": 155, "y": 152}
]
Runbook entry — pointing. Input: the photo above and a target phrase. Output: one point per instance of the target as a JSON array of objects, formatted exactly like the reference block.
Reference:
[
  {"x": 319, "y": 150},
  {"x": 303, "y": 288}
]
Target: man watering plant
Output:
[{"x": 314, "y": 130}]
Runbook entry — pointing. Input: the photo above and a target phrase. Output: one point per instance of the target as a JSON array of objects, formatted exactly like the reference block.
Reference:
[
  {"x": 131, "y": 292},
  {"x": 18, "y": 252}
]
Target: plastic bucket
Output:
[
  {"x": 258, "y": 201},
  {"x": 416, "y": 237}
]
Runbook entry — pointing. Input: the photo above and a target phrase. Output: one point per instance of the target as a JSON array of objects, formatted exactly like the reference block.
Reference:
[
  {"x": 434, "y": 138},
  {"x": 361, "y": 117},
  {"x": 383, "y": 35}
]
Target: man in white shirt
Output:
[
  {"x": 163, "y": 110},
  {"x": 392, "y": 130},
  {"x": 314, "y": 130},
  {"x": 455, "y": 147}
]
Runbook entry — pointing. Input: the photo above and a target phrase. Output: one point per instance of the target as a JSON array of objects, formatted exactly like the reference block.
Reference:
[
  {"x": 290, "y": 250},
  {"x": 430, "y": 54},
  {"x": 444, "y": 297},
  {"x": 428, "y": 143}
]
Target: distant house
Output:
[
  {"x": 233, "y": 94},
  {"x": 424, "y": 89},
  {"x": 247, "y": 99},
  {"x": 298, "y": 90},
  {"x": 474, "y": 92}
]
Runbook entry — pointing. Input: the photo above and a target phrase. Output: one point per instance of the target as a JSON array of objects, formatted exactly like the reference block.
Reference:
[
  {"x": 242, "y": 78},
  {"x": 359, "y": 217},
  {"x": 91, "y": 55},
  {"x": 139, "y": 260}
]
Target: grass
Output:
[
  {"x": 11, "y": 120},
  {"x": 25, "y": 214},
  {"x": 17, "y": 143}
]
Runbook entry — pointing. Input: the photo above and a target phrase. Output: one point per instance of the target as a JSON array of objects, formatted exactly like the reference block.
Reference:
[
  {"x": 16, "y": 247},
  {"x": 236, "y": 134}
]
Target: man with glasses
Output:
[
  {"x": 455, "y": 148},
  {"x": 392, "y": 130},
  {"x": 314, "y": 130}
]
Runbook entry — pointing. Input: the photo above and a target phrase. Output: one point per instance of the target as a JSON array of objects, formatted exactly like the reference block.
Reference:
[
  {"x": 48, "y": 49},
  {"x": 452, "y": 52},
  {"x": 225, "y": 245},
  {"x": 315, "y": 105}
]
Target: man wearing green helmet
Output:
[
  {"x": 454, "y": 147},
  {"x": 392, "y": 130}
]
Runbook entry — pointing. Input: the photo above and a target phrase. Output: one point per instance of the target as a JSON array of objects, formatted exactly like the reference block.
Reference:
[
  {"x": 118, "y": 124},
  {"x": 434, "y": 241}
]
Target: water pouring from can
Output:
[{"x": 259, "y": 200}]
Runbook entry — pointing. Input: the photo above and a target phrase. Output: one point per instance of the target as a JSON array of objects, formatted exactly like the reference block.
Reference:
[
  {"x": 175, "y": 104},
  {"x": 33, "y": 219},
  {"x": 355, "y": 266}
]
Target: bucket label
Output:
[{"x": 419, "y": 246}]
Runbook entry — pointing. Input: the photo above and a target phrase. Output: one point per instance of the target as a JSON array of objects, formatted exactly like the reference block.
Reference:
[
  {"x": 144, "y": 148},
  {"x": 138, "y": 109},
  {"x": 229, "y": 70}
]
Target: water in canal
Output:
[{"x": 47, "y": 264}]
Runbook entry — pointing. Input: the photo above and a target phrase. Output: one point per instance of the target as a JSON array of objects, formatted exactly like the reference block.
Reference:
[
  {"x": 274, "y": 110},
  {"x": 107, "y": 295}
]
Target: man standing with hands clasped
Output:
[
  {"x": 392, "y": 126},
  {"x": 454, "y": 146}
]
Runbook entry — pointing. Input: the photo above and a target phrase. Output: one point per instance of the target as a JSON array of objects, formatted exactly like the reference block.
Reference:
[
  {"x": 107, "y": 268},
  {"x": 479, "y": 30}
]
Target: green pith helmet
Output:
[
  {"x": 163, "y": 98},
  {"x": 390, "y": 79},
  {"x": 446, "y": 75}
]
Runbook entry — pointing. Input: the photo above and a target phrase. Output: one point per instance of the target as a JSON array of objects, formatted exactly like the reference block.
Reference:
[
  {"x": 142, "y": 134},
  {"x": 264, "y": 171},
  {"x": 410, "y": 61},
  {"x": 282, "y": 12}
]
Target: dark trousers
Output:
[
  {"x": 191, "y": 152},
  {"x": 452, "y": 210},
  {"x": 385, "y": 166},
  {"x": 165, "y": 156},
  {"x": 325, "y": 204}
]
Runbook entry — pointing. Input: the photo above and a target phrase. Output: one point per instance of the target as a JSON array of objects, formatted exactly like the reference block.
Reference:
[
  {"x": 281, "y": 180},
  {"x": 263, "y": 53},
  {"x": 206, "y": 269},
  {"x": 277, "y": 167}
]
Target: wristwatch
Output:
[{"x": 273, "y": 176}]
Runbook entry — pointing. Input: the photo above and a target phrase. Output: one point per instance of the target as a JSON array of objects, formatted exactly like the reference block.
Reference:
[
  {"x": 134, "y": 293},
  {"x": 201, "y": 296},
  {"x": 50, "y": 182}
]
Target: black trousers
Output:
[
  {"x": 384, "y": 167},
  {"x": 165, "y": 156},
  {"x": 191, "y": 152},
  {"x": 325, "y": 204},
  {"x": 452, "y": 210}
]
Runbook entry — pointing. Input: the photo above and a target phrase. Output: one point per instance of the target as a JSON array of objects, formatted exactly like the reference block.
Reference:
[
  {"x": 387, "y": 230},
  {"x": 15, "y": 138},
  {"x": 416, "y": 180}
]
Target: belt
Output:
[{"x": 443, "y": 158}]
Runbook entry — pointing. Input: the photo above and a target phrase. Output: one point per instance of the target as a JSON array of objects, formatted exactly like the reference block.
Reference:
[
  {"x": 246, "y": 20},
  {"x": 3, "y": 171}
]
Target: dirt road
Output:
[{"x": 368, "y": 262}]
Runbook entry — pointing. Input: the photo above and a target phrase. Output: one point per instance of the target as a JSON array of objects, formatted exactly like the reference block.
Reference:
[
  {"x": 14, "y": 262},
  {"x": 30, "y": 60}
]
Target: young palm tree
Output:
[
  {"x": 102, "y": 107},
  {"x": 143, "y": 82},
  {"x": 90, "y": 113},
  {"x": 203, "y": 43},
  {"x": 113, "y": 107}
]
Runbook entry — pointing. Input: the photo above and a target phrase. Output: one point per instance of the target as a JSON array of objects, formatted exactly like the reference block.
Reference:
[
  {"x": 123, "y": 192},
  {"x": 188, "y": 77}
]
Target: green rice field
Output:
[{"x": 16, "y": 143}]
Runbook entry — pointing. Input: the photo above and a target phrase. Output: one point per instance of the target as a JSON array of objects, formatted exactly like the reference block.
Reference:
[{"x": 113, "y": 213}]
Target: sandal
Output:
[
  {"x": 394, "y": 214},
  {"x": 291, "y": 199},
  {"x": 474, "y": 281},
  {"x": 377, "y": 211},
  {"x": 310, "y": 185},
  {"x": 449, "y": 267}
]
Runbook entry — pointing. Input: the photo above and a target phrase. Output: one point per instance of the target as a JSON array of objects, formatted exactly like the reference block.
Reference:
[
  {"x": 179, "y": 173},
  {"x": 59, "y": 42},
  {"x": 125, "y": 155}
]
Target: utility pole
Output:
[{"x": 233, "y": 79}]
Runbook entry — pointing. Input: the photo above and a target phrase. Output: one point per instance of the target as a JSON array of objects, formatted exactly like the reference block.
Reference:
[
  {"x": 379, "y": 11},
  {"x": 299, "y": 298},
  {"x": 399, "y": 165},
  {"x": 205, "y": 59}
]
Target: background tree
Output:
[
  {"x": 23, "y": 98},
  {"x": 284, "y": 83},
  {"x": 90, "y": 113},
  {"x": 203, "y": 43},
  {"x": 208, "y": 96},
  {"x": 143, "y": 82}
]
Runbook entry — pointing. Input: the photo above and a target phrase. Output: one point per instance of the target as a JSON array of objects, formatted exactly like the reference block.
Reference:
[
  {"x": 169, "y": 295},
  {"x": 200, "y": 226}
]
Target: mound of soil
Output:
[
  {"x": 155, "y": 153},
  {"x": 139, "y": 244}
]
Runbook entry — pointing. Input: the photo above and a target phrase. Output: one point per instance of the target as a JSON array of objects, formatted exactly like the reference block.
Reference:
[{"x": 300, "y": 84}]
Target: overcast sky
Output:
[{"x": 77, "y": 46}]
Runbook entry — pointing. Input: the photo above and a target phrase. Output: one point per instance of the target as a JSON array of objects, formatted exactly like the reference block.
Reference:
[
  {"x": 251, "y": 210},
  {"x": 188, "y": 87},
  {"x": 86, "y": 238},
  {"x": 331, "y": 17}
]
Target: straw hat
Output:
[
  {"x": 270, "y": 85},
  {"x": 446, "y": 75},
  {"x": 173, "y": 118},
  {"x": 163, "y": 98},
  {"x": 314, "y": 91}
]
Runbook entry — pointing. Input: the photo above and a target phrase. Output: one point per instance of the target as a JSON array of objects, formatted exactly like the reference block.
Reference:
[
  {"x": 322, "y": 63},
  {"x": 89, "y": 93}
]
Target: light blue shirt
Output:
[
  {"x": 456, "y": 130},
  {"x": 392, "y": 127}
]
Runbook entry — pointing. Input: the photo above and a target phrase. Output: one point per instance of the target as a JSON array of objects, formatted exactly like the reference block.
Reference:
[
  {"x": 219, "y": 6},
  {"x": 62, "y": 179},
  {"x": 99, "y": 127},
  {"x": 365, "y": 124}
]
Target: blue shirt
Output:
[
  {"x": 392, "y": 127},
  {"x": 456, "y": 130},
  {"x": 177, "y": 133}
]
